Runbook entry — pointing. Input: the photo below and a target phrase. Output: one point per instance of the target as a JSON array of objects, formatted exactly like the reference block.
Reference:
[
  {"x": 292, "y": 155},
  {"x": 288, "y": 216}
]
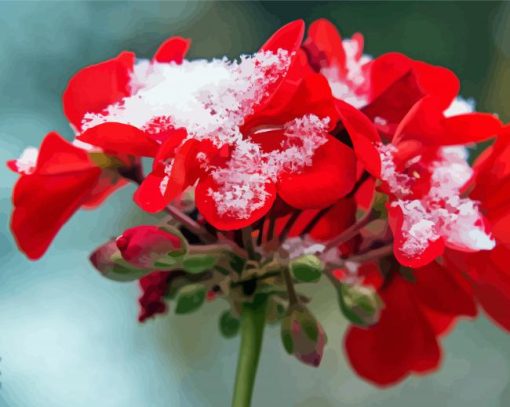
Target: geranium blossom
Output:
[{"x": 301, "y": 160}]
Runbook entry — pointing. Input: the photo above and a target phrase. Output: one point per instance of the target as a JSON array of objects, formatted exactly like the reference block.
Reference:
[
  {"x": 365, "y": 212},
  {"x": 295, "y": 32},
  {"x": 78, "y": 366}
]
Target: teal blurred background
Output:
[{"x": 69, "y": 338}]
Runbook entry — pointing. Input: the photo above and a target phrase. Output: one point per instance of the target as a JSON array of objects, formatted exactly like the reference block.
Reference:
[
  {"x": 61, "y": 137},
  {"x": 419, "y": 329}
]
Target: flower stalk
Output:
[{"x": 253, "y": 319}]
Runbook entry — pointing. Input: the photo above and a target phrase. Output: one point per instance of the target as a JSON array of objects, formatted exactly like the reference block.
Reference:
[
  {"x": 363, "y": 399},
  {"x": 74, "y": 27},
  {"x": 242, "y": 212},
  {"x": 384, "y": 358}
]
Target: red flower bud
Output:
[
  {"x": 150, "y": 246},
  {"x": 303, "y": 336}
]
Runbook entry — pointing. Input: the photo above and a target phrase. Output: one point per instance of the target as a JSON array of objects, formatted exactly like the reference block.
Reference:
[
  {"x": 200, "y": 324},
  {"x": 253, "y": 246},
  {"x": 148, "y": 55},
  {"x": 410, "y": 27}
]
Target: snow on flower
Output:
[
  {"x": 241, "y": 182},
  {"x": 211, "y": 99},
  {"x": 348, "y": 88},
  {"x": 442, "y": 212},
  {"x": 460, "y": 106},
  {"x": 27, "y": 161},
  {"x": 208, "y": 98}
]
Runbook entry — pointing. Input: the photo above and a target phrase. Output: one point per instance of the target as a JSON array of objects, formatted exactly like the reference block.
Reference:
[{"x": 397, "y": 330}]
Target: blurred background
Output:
[{"x": 69, "y": 338}]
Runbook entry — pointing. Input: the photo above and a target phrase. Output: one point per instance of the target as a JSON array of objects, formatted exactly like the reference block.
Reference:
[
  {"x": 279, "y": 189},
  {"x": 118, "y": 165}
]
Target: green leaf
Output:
[
  {"x": 229, "y": 325},
  {"x": 306, "y": 269},
  {"x": 198, "y": 263},
  {"x": 190, "y": 298}
]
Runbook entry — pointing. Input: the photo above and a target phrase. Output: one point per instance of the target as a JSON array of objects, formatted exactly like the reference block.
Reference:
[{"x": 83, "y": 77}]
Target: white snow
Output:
[
  {"x": 27, "y": 161},
  {"x": 211, "y": 100},
  {"x": 443, "y": 212},
  {"x": 460, "y": 106},
  {"x": 348, "y": 88}
]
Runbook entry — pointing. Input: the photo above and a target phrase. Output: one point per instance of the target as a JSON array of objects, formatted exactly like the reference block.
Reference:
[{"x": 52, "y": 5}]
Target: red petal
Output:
[
  {"x": 57, "y": 156},
  {"x": 109, "y": 182},
  {"x": 288, "y": 37},
  {"x": 360, "y": 43},
  {"x": 119, "y": 138},
  {"x": 432, "y": 249},
  {"x": 186, "y": 168},
  {"x": 437, "y": 81},
  {"x": 279, "y": 93},
  {"x": 335, "y": 221},
  {"x": 207, "y": 207},
  {"x": 96, "y": 87},
  {"x": 174, "y": 140},
  {"x": 330, "y": 177},
  {"x": 426, "y": 123},
  {"x": 443, "y": 290},
  {"x": 148, "y": 196},
  {"x": 363, "y": 135},
  {"x": 385, "y": 71},
  {"x": 432, "y": 80},
  {"x": 324, "y": 46},
  {"x": 11, "y": 164},
  {"x": 471, "y": 128},
  {"x": 43, "y": 203},
  {"x": 490, "y": 278},
  {"x": 402, "y": 342},
  {"x": 173, "y": 49}
]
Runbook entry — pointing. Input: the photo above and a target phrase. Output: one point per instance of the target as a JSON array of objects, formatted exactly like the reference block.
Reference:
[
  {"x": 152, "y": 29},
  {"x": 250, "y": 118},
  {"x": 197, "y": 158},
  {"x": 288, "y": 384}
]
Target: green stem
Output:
[{"x": 253, "y": 320}]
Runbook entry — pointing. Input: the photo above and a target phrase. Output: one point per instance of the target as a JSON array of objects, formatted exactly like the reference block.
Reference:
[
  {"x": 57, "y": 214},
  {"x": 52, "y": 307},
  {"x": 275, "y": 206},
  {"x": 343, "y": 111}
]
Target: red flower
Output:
[
  {"x": 274, "y": 141},
  {"x": 488, "y": 271},
  {"x": 425, "y": 180},
  {"x": 384, "y": 88},
  {"x": 96, "y": 87},
  {"x": 49, "y": 191},
  {"x": 415, "y": 314}
]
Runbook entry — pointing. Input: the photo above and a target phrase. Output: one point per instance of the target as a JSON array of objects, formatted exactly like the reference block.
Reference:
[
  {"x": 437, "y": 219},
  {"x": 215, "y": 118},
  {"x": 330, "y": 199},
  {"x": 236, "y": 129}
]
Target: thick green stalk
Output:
[{"x": 253, "y": 321}]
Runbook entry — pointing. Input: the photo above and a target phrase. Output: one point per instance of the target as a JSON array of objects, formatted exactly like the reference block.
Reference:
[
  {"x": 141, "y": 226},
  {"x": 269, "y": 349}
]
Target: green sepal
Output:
[
  {"x": 198, "y": 263},
  {"x": 108, "y": 260}
]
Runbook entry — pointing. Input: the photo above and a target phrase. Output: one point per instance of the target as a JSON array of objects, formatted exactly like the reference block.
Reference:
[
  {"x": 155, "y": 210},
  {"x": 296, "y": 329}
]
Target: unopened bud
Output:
[
  {"x": 303, "y": 336},
  {"x": 109, "y": 262},
  {"x": 152, "y": 247},
  {"x": 360, "y": 304},
  {"x": 307, "y": 268}
]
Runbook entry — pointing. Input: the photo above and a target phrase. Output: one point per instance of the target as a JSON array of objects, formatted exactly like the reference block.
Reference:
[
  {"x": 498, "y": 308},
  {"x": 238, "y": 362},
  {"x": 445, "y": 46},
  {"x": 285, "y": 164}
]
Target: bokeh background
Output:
[{"x": 69, "y": 338}]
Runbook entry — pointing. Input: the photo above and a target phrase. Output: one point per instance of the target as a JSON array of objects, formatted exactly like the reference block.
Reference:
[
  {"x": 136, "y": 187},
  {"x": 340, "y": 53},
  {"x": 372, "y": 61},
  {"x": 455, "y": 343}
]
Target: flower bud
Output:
[
  {"x": 307, "y": 268},
  {"x": 360, "y": 304},
  {"x": 109, "y": 262},
  {"x": 303, "y": 336},
  {"x": 151, "y": 246}
]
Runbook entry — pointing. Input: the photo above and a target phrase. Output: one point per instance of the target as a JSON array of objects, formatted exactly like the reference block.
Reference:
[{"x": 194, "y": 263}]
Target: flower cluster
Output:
[{"x": 305, "y": 160}]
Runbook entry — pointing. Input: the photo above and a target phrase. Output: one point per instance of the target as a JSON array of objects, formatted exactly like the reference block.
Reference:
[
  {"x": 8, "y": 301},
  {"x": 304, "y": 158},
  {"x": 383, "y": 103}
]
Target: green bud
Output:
[
  {"x": 361, "y": 305},
  {"x": 307, "y": 268}
]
